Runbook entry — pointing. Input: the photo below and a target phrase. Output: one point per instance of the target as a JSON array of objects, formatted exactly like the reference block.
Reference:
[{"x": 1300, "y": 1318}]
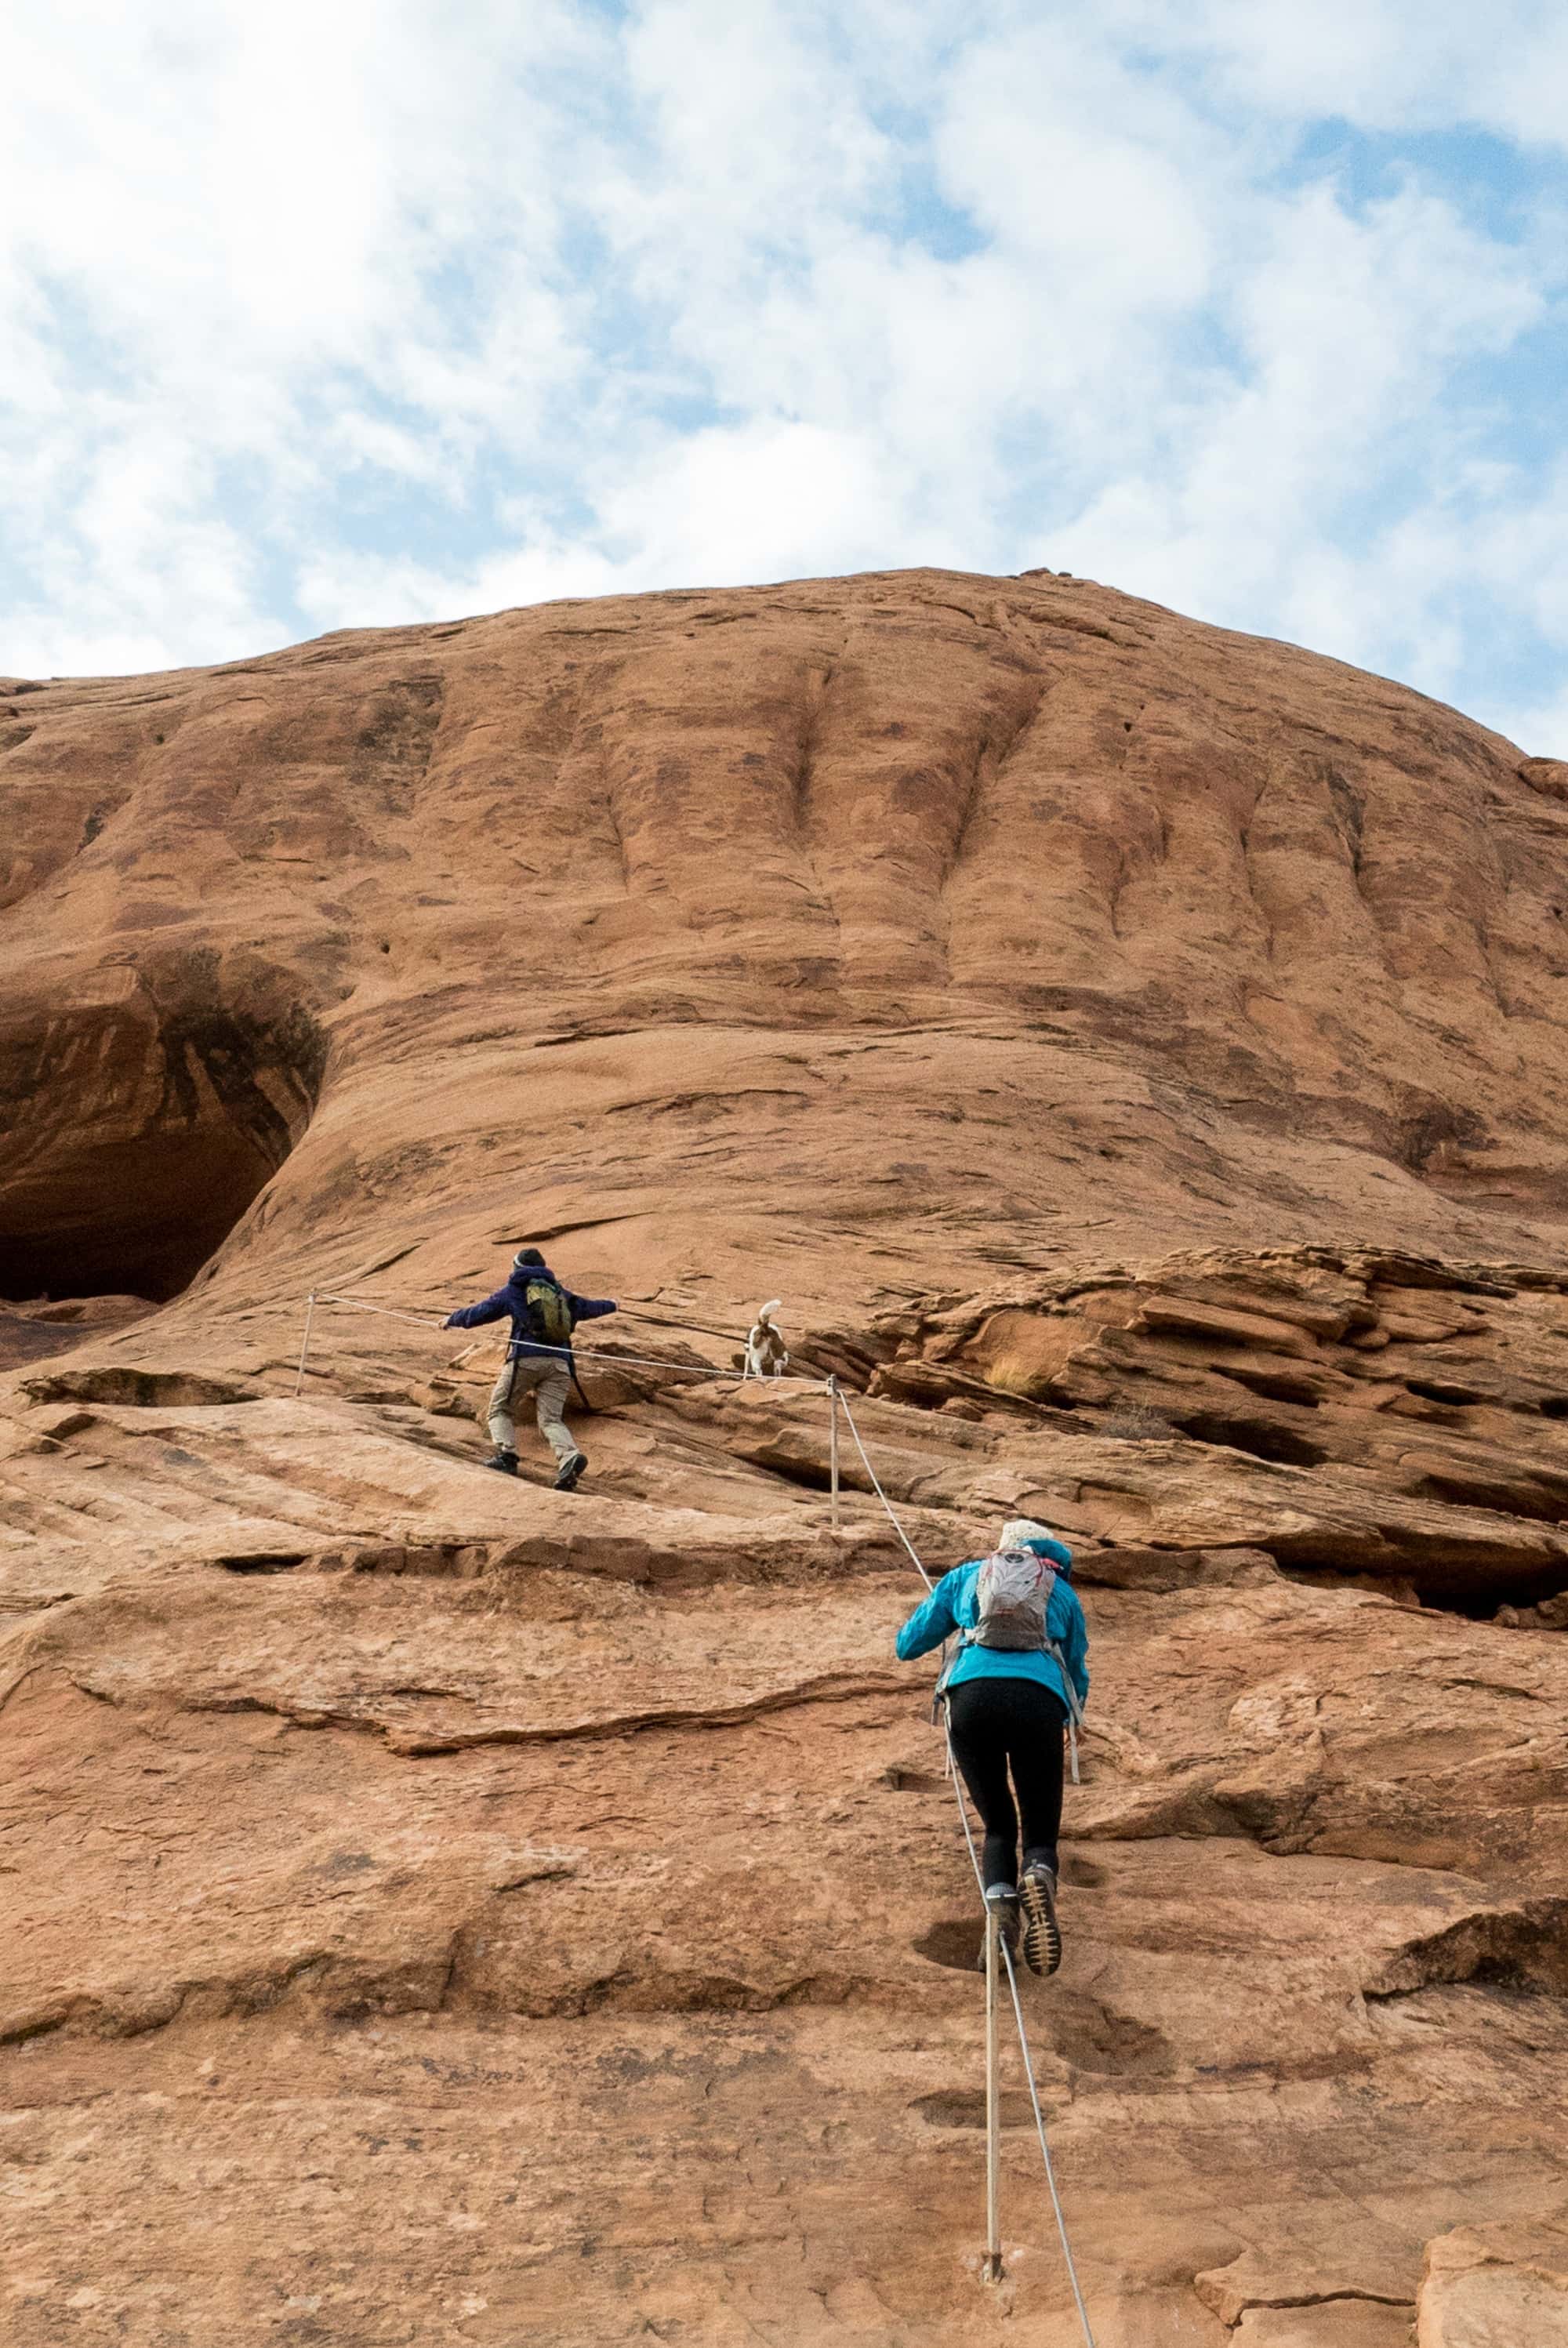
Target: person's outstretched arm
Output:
[
  {"x": 474, "y": 1316},
  {"x": 930, "y": 1623},
  {"x": 590, "y": 1308}
]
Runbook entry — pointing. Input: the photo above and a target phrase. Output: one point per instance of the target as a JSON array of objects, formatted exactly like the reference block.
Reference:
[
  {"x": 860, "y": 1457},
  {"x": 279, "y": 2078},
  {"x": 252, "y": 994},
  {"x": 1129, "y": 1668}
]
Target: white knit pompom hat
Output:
[{"x": 1019, "y": 1529}]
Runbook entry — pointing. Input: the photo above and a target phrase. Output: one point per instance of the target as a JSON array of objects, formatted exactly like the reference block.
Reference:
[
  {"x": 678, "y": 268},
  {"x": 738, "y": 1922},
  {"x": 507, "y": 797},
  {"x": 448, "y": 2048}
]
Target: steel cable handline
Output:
[
  {"x": 882, "y": 1496},
  {"x": 980, "y": 1886},
  {"x": 565, "y": 1352},
  {"x": 1028, "y": 2063},
  {"x": 839, "y": 1402}
]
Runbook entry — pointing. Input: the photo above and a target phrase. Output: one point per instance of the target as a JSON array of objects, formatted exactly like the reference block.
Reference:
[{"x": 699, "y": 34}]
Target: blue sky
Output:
[{"x": 324, "y": 316}]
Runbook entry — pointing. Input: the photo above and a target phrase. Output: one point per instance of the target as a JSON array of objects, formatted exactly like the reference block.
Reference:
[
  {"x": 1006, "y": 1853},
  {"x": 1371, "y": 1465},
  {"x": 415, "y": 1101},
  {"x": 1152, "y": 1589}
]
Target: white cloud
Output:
[
  {"x": 1382, "y": 65},
  {"x": 324, "y": 318},
  {"x": 1541, "y": 730},
  {"x": 1343, "y": 326},
  {"x": 718, "y": 509}
]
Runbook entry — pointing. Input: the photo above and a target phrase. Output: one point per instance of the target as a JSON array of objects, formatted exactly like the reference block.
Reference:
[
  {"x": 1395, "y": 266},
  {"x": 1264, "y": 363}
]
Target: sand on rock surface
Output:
[{"x": 443, "y": 1909}]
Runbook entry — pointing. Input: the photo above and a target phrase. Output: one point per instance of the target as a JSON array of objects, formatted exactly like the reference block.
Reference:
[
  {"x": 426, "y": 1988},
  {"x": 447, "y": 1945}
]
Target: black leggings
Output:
[{"x": 993, "y": 1723}]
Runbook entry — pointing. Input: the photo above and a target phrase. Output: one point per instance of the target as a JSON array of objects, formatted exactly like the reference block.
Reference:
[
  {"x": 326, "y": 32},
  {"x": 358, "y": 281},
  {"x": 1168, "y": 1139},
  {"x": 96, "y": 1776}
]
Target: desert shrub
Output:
[{"x": 1135, "y": 1422}]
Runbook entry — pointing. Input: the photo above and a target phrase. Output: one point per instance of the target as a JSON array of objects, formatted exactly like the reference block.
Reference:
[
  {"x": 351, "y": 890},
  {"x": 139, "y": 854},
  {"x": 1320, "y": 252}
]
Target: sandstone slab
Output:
[{"x": 439, "y": 1909}]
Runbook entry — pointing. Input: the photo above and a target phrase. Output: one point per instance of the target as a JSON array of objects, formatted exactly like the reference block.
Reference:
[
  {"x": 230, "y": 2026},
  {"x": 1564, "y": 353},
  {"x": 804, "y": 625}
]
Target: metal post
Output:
[
  {"x": 992, "y": 2266},
  {"x": 833, "y": 1447},
  {"x": 304, "y": 1348}
]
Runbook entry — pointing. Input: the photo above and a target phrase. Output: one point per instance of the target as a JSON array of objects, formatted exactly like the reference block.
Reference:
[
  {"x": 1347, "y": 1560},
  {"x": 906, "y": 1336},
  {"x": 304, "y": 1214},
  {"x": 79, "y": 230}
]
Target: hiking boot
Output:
[
  {"x": 1002, "y": 1901},
  {"x": 568, "y": 1472},
  {"x": 1042, "y": 1934},
  {"x": 504, "y": 1463}
]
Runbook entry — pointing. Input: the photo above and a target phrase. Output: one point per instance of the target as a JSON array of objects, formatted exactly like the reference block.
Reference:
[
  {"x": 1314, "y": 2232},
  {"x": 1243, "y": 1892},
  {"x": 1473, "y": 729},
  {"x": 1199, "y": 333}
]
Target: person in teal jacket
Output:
[{"x": 1006, "y": 1711}]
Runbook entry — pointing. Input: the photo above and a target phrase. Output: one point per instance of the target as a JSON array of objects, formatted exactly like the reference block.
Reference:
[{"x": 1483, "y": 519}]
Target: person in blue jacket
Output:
[
  {"x": 1006, "y": 1709},
  {"x": 534, "y": 1363}
]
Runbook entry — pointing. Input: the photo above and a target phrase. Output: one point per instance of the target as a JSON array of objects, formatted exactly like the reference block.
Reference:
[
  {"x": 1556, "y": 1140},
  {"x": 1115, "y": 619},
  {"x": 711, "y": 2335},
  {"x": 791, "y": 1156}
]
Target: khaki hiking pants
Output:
[{"x": 549, "y": 1384}]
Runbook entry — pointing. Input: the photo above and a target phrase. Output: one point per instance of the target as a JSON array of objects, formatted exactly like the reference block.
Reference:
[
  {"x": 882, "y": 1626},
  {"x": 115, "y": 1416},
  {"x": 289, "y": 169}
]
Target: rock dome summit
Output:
[{"x": 441, "y": 1908}]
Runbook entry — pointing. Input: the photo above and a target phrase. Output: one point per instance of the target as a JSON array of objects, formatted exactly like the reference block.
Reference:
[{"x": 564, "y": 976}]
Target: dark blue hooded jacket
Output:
[{"x": 513, "y": 1299}]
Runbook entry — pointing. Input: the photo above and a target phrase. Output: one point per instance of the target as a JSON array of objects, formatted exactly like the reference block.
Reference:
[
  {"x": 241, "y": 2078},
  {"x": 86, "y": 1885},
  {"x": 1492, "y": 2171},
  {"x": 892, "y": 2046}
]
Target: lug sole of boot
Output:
[{"x": 1042, "y": 1934}]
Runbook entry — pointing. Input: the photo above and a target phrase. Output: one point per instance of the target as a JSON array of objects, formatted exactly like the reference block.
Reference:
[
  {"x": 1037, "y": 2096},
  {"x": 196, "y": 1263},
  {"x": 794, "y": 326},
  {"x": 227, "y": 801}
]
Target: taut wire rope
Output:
[
  {"x": 980, "y": 1886},
  {"x": 565, "y": 1352},
  {"x": 392, "y": 1313},
  {"x": 882, "y": 1496},
  {"x": 1028, "y": 2061}
]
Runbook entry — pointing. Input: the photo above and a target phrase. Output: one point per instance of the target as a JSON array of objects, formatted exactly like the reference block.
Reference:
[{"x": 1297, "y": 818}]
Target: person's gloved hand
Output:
[{"x": 450, "y": 1322}]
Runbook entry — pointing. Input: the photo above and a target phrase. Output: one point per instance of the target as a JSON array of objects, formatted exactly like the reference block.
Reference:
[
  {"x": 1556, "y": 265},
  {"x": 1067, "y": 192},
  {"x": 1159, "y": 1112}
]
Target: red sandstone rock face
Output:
[{"x": 1134, "y": 1054}]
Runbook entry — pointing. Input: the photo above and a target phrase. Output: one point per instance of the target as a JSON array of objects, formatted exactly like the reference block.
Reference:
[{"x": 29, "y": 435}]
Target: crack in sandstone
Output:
[
  {"x": 1325, "y": 2299},
  {"x": 1199, "y": 1086},
  {"x": 416, "y": 1743}
]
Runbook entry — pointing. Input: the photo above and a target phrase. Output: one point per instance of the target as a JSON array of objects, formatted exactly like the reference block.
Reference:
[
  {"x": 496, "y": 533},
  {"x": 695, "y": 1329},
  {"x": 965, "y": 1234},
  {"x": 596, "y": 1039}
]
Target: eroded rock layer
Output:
[{"x": 440, "y": 1909}]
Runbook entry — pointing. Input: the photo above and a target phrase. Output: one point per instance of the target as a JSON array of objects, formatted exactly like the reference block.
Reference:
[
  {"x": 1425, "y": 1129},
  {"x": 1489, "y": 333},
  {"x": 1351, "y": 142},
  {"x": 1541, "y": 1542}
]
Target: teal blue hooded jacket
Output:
[{"x": 953, "y": 1606}]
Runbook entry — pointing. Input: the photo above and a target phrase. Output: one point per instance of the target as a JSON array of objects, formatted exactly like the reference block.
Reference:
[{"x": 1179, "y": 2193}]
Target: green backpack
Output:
[{"x": 549, "y": 1313}]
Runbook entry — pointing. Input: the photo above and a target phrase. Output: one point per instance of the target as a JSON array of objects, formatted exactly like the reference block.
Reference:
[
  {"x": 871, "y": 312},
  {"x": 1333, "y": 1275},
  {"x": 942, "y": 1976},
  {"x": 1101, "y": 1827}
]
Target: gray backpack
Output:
[{"x": 1013, "y": 1592}]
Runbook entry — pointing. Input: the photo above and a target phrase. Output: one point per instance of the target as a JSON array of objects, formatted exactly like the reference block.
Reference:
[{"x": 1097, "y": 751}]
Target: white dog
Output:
[{"x": 767, "y": 1355}]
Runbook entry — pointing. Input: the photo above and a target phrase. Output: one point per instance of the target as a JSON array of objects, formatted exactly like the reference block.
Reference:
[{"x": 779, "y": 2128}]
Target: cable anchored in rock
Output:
[
  {"x": 980, "y": 1886},
  {"x": 563, "y": 1352}
]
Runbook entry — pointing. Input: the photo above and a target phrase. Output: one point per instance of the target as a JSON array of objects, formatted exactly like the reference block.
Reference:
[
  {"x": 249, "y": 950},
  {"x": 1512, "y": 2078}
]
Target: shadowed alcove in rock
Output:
[{"x": 136, "y": 1134}]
